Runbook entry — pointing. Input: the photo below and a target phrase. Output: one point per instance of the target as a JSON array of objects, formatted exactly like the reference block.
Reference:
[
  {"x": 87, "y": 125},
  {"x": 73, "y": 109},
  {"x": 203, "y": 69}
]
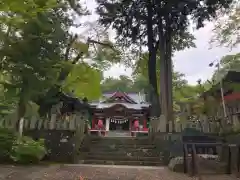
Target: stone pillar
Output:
[
  {"x": 205, "y": 123},
  {"x": 178, "y": 126},
  {"x": 130, "y": 124},
  {"x": 236, "y": 123},
  {"x": 162, "y": 124}
]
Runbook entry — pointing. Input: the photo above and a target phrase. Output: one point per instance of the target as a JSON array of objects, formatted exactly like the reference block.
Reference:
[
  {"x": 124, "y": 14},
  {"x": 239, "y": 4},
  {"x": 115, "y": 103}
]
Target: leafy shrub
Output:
[
  {"x": 7, "y": 139},
  {"x": 26, "y": 150}
]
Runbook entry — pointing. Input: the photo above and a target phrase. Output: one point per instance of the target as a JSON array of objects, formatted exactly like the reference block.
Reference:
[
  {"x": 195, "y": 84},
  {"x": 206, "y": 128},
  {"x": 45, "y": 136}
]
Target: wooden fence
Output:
[
  {"x": 70, "y": 123},
  {"x": 193, "y": 151},
  {"x": 63, "y": 137}
]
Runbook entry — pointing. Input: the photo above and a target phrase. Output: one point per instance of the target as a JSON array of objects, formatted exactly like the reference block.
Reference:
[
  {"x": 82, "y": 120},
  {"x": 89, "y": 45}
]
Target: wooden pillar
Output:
[
  {"x": 130, "y": 124},
  {"x": 193, "y": 160},
  {"x": 145, "y": 123},
  {"x": 229, "y": 163},
  {"x": 185, "y": 154},
  {"x": 93, "y": 122},
  {"x": 238, "y": 160}
]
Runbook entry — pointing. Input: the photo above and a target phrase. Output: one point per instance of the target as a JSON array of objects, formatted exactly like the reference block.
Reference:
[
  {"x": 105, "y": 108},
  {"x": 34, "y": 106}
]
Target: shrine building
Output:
[
  {"x": 231, "y": 93},
  {"x": 120, "y": 112}
]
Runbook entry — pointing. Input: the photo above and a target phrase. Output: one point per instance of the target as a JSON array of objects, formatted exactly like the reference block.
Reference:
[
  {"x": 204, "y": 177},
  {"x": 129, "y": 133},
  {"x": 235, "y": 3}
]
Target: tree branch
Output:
[
  {"x": 76, "y": 59},
  {"x": 100, "y": 43},
  {"x": 67, "y": 52}
]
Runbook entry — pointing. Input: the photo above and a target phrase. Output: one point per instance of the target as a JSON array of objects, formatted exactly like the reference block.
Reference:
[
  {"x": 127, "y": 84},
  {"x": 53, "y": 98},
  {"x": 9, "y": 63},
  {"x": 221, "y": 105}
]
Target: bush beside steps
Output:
[{"x": 20, "y": 150}]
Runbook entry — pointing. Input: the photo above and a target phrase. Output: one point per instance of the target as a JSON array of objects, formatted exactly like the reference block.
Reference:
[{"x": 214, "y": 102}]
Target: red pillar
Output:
[
  {"x": 93, "y": 123},
  {"x": 144, "y": 123}
]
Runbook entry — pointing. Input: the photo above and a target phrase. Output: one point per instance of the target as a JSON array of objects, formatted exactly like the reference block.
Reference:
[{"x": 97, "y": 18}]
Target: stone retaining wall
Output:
[{"x": 59, "y": 143}]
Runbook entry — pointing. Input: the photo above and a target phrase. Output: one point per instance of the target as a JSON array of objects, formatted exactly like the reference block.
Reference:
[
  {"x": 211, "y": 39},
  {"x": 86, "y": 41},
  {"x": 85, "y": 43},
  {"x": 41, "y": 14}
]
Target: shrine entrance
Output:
[
  {"x": 117, "y": 114},
  {"x": 119, "y": 124}
]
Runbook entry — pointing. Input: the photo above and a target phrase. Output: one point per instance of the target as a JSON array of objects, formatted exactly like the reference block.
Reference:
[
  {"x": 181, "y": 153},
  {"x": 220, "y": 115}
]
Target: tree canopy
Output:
[
  {"x": 227, "y": 27},
  {"x": 40, "y": 57}
]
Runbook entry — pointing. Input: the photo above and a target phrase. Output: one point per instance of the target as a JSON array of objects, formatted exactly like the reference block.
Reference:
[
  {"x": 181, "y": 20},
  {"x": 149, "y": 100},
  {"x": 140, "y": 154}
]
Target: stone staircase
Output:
[{"x": 120, "y": 151}]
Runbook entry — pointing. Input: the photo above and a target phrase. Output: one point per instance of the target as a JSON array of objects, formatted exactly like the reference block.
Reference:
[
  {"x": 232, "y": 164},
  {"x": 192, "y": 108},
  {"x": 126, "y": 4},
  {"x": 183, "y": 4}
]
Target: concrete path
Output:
[{"x": 95, "y": 172}]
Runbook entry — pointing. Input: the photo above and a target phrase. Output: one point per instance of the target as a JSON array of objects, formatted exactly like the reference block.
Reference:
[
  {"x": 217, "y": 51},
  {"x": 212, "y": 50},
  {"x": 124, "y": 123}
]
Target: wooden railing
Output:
[
  {"x": 191, "y": 152},
  {"x": 55, "y": 123}
]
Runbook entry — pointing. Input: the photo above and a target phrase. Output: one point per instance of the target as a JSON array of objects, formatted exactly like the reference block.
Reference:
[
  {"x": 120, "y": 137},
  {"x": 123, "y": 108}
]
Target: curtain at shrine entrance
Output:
[
  {"x": 107, "y": 124},
  {"x": 119, "y": 123}
]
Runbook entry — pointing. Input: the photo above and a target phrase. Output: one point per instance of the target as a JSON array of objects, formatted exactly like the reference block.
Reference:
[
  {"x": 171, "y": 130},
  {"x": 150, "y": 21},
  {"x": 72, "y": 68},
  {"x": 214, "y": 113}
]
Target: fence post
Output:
[
  {"x": 185, "y": 154},
  {"x": 196, "y": 165},
  {"x": 238, "y": 160},
  {"x": 193, "y": 169},
  {"x": 229, "y": 161}
]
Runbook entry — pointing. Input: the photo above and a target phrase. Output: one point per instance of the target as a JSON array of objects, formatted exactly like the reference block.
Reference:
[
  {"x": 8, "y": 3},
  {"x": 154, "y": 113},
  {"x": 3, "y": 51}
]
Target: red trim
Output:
[
  {"x": 232, "y": 97},
  {"x": 93, "y": 123},
  {"x": 144, "y": 123}
]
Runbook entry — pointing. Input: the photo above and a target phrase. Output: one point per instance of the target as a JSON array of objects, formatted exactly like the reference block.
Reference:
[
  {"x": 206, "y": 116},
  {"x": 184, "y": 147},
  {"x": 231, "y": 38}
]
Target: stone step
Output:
[
  {"x": 122, "y": 158},
  {"x": 126, "y": 141},
  {"x": 122, "y": 153},
  {"x": 116, "y": 150},
  {"x": 119, "y": 149},
  {"x": 118, "y": 138},
  {"x": 123, "y": 142},
  {"x": 130, "y": 163},
  {"x": 127, "y": 146}
]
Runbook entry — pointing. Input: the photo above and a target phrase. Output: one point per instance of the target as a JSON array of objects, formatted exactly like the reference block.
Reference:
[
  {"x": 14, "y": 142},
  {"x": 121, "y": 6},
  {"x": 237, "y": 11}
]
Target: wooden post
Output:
[
  {"x": 93, "y": 122},
  {"x": 185, "y": 154},
  {"x": 193, "y": 169},
  {"x": 196, "y": 165},
  {"x": 229, "y": 163},
  {"x": 238, "y": 162}
]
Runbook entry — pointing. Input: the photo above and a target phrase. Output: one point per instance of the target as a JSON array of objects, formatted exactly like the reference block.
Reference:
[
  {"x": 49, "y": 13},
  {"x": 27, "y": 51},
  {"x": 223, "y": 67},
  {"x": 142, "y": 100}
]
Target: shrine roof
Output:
[
  {"x": 138, "y": 106},
  {"x": 136, "y": 97},
  {"x": 129, "y": 100}
]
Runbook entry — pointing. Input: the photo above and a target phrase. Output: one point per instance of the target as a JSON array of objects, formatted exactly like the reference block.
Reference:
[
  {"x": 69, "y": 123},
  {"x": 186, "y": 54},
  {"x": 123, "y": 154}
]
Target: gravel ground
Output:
[{"x": 73, "y": 172}]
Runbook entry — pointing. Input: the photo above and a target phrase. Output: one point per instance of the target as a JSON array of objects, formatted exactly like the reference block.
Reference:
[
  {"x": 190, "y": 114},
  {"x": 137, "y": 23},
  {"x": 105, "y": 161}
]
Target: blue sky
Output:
[{"x": 192, "y": 62}]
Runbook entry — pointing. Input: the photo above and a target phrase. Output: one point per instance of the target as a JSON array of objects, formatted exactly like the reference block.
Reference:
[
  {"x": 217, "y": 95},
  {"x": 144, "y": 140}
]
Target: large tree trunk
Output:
[
  {"x": 154, "y": 96},
  {"x": 165, "y": 48},
  {"x": 152, "y": 75},
  {"x": 163, "y": 75},
  {"x": 168, "y": 55}
]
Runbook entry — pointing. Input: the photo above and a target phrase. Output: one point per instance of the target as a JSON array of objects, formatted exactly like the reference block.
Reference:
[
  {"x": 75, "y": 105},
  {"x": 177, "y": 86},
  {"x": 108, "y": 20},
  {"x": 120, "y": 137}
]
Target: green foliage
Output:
[
  {"x": 84, "y": 81},
  {"x": 227, "y": 27},
  {"x": 227, "y": 63},
  {"x": 23, "y": 11},
  {"x": 125, "y": 84},
  {"x": 7, "y": 139},
  {"x": 25, "y": 150},
  {"x": 31, "y": 53},
  {"x": 141, "y": 67}
]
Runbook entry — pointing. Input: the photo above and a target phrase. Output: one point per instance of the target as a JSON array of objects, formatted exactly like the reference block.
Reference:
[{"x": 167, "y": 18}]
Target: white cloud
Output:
[
  {"x": 194, "y": 62},
  {"x": 117, "y": 70}
]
